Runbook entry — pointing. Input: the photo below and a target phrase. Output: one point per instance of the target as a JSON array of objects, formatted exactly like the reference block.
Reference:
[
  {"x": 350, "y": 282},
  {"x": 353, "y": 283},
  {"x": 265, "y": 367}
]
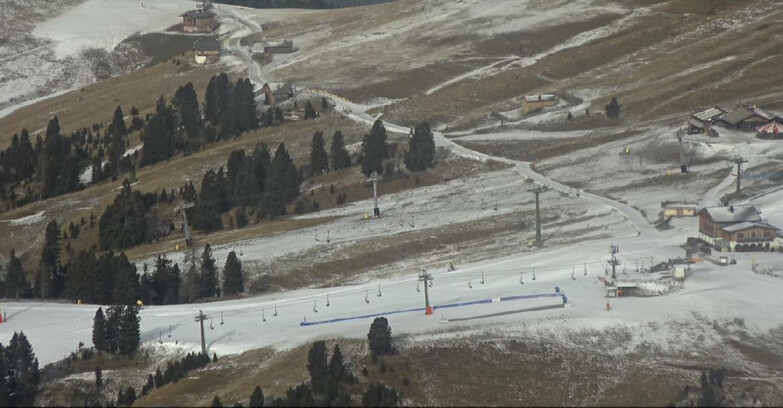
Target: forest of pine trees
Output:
[
  {"x": 124, "y": 222},
  {"x": 117, "y": 331}
]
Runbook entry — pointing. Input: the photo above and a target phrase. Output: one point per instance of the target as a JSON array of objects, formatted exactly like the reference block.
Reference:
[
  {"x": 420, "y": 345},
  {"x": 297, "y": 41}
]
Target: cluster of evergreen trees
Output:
[
  {"x": 19, "y": 375},
  {"x": 118, "y": 331},
  {"x": 162, "y": 286},
  {"x": 612, "y": 109},
  {"x": 268, "y": 183},
  {"x": 233, "y": 107},
  {"x": 108, "y": 279},
  {"x": 124, "y": 223}
]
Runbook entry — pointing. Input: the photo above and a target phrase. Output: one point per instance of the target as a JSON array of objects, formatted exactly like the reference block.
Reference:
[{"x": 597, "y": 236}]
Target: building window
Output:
[{"x": 740, "y": 235}]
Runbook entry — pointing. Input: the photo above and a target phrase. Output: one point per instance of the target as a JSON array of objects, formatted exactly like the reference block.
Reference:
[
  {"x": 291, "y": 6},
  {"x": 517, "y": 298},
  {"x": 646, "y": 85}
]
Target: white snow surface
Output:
[{"x": 105, "y": 23}]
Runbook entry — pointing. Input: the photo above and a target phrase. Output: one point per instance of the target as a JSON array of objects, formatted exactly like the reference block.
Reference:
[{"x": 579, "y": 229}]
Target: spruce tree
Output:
[
  {"x": 15, "y": 281},
  {"x": 158, "y": 378},
  {"x": 129, "y": 332},
  {"x": 117, "y": 126},
  {"x": 337, "y": 369},
  {"x": 151, "y": 382},
  {"x": 324, "y": 103},
  {"x": 24, "y": 369},
  {"x": 216, "y": 402},
  {"x": 319, "y": 161},
  {"x": 256, "y": 398},
  {"x": 379, "y": 338},
  {"x": 281, "y": 185},
  {"x": 99, "y": 331},
  {"x": 379, "y": 395},
  {"x": 208, "y": 281},
  {"x": 186, "y": 108},
  {"x": 309, "y": 111},
  {"x": 612, "y": 109},
  {"x": 113, "y": 319},
  {"x": 421, "y": 149},
  {"x": 232, "y": 275},
  {"x": 374, "y": 149},
  {"x": 317, "y": 365},
  {"x": 337, "y": 153}
]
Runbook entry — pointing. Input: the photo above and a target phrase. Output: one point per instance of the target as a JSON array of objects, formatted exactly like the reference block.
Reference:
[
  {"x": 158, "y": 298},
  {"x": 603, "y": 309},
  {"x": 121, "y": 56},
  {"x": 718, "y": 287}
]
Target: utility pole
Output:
[
  {"x": 185, "y": 226},
  {"x": 200, "y": 317},
  {"x": 683, "y": 166},
  {"x": 739, "y": 160},
  {"x": 538, "y": 190},
  {"x": 374, "y": 178},
  {"x": 426, "y": 278}
]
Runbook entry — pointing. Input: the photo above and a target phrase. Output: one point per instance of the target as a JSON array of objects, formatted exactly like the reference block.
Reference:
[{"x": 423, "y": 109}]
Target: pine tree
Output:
[
  {"x": 319, "y": 161},
  {"x": 150, "y": 382},
  {"x": 612, "y": 109},
  {"x": 421, "y": 149},
  {"x": 232, "y": 275},
  {"x": 15, "y": 282},
  {"x": 24, "y": 370},
  {"x": 256, "y": 398},
  {"x": 98, "y": 377},
  {"x": 317, "y": 365},
  {"x": 130, "y": 396},
  {"x": 379, "y": 395},
  {"x": 309, "y": 111},
  {"x": 190, "y": 288},
  {"x": 186, "y": 108},
  {"x": 216, "y": 402},
  {"x": 99, "y": 331},
  {"x": 129, "y": 331},
  {"x": 117, "y": 126},
  {"x": 211, "y": 102},
  {"x": 324, "y": 103},
  {"x": 158, "y": 378},
  {"x": 337, "y": 369},
  {"x": 113, "y": 318},
  {"x": 379, "y": 338},
  {"x": 208, "y": 281},
  {"x": 337, "y": 153},
  {"x": 374, "y": 149},
  {"x": 282, "y": 183}
]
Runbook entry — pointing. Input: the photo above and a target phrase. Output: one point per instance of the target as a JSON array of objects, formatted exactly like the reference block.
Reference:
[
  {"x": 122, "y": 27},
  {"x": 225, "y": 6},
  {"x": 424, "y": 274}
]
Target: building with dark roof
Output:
[
  {"x": 746, "y": 118},
  {"x": 198, "y": 21},
  {"x": 207, "y": 50},
  {"x": 736, "y": 228}
]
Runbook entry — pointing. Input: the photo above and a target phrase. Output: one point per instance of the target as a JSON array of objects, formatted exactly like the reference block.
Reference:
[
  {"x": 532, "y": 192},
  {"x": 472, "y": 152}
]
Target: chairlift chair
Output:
[
  {"x": 328, "y": 240},
  {"x": 379, "y": 290},
  {"x": 470, "y": 285},
  {"x": 275, "y": 312},
  {"x": 482, "y": 277},
  {"x": 521, "y": 275},
  {"x": 367, "y": 296},
  {"x": 263, "y": 315},
  {"x": 221, "y": 318},
  {"x": 417, "y": 286},
  {"x": 169, "y": 331},
  {"x": 211, "y": 327}
]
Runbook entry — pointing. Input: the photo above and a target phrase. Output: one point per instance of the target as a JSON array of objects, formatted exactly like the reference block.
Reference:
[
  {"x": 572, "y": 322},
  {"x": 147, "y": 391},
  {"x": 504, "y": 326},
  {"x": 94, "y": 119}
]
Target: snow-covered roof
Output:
[
  {"x": 677, "y": 204},
  {"x": 542, "y": 97},
  {"x": 198, "y": 14},
  {"x": 733, "y": 214},
  {"x": 708, "y": 114},
  {"x": 745, "y": 225}
]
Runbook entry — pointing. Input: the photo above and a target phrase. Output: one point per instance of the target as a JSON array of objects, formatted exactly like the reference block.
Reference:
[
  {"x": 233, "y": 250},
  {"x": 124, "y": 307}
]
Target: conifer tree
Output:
[
  {"x": 324, "y": 103},
  {"x": 129, "y": 331},
  {"x": 309, "y": 111},
  {"x": 208, "y": 281},
  {"x": 24, "y": 374},
  {"x": 374, "y": 149},
  {"x": 317, "y": 365},
  {"x": 379, "y": 338},
  {"x": 232, "y": 275},
  {"x": 612, "y": 109},
  {"x": 186, "y": 108},
  {"x": 337, "y": 153},
  {"x": 337, "y": 369},
  {"x": 99, "y": 331},
  {"x": 282, "y": 183},
  {"x": 319, "y": 161},
  {"x": 421, "y": 149},
  {"x": 216, "y": 402},
  {"x": 15, "y": 282},
  {"x": 379, "y": 395},
  {"x": 117, "y": 126},
  {"x": 113, "y": 319},
  {"x": 256, "y": 398},
  {"x": 150, "y": 382},
  {"x": 158, "y": 378}
]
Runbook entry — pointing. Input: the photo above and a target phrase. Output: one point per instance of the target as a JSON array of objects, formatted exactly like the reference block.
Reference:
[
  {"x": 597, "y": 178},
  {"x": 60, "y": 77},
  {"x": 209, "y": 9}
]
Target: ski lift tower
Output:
[
  {"x": 200, "y": 317},
  {"x": 426, "y": 278},
  {"x": 374, "y": 178},
  {"x": 537, "y": 191}
]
